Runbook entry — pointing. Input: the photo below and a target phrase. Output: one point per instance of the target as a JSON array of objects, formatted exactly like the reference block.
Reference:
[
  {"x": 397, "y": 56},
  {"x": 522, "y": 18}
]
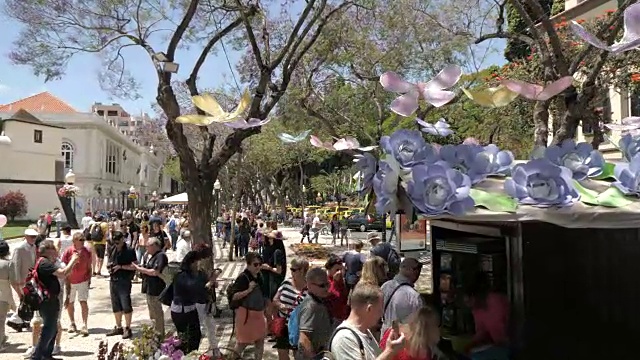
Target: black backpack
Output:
[
  {"x": 87, "y": 233},
  {"x": 232, "y": 290},
  {"x": 96, "y": 232}
]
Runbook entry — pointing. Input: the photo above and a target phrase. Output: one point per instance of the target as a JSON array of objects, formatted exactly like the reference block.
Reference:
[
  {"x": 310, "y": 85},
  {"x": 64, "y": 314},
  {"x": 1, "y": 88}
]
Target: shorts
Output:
[
  {"x": 282, "y": 341},
  {"x": 120, "y": 292},
  {"x": 80, "y": 290},
  {"x": 100, "y": 250}
]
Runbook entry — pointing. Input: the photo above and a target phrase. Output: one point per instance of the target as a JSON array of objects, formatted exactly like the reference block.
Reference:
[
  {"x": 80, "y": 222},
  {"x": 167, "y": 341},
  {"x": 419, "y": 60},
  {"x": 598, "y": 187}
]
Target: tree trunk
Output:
[
  {"x": 541, "y": 123},
  {"x": 200, "y": 205},
  {"x": 570, "y": 120}
]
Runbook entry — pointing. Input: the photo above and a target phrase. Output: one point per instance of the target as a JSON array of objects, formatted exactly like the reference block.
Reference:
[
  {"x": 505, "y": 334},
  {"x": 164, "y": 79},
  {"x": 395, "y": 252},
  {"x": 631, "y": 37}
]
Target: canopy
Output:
[
  {"x": 579, "y": 215},
  {"x": 176, "y": 199}
]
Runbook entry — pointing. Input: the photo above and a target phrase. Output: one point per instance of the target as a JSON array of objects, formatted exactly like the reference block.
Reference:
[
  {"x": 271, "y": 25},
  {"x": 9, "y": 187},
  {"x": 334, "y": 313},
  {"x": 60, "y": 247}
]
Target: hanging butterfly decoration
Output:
[
  {"x": 215, "y": 113},
  {"x": 432, "y": 91},
  {"x": 346, "y": 143},
  {"x": 492, "y": 97},
  {"x": 440, "y": 128},
  {"x": 630, "y": 39},
  {"x": 538, "y": 92},
  {"x": 290, "y": 139},
  {"x": 247, "y": 124}
]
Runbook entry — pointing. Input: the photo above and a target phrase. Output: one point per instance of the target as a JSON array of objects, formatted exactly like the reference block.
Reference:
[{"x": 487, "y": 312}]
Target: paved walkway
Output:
[{"x": 101, "y": 319}]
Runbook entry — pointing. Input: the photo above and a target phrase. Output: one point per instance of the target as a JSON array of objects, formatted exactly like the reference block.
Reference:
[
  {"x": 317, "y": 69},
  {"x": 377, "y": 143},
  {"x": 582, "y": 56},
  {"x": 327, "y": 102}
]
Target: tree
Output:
[
  {"x": 517, "y": 49},
  {"x": 13, "y": 204},
  {"x": 56, "y": 31},
  {"x": 560, "y": 56}
]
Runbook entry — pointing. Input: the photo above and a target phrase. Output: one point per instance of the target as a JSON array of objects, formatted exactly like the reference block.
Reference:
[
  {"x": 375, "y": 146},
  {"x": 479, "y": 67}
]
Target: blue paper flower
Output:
[
  {"x": 437, "y": 189},
  {"x": 408, "y": 148},
  {"x": 476, "y": 161},
  {"x": 541, "y": 183},
  {"x": 630, "y": 146},
  {"x": 628, "y": 176},
  {"x": 385, "y": 185},
  {"x": 581, "y": 159},
  {"x": 366, "y": 164}
]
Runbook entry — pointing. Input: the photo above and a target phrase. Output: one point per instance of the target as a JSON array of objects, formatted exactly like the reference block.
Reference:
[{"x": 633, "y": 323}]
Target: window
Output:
[
  {"x": 112, "y": 159},
  {"x": 112, "y": 113},
  {"x": 67, "y": 155},
  {"x": 101, "y": 112},
  {"x": 37, "y": 136}
]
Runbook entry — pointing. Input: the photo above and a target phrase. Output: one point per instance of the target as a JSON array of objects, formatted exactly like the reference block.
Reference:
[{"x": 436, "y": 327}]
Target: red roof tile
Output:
[{"x": 42, "y": 102}]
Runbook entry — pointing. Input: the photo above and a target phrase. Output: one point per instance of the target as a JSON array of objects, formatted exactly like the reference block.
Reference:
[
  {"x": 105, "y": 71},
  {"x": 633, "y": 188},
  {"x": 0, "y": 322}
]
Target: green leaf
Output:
[
  {"x": 493, "y": 201},
  {"x": 612, "y": 197},
  {"x": 587, "y": 196},
  {"x": 607, "y": 172}
]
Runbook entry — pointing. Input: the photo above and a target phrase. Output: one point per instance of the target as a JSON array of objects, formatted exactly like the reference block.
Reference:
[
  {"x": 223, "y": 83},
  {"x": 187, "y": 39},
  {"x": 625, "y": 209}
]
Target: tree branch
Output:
[
  {"x": 556, "y": 46},
  {"x": 181, "y": 29},
  {"x": 504, "y": 35},
  {"x": 292, "y": 38},
  {"x": 257, "y": 54}
]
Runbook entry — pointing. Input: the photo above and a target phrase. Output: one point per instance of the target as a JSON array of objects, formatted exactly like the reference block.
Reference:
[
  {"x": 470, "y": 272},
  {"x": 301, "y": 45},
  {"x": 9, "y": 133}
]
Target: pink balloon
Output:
[{"x": 3, "y": 220}]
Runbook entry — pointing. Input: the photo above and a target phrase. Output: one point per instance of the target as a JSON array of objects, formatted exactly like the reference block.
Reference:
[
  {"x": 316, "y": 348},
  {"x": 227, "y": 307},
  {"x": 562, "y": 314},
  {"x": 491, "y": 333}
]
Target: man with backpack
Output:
[
  {"x": 173, "y": 228},
  {"x": 23, "y": 258},
  {"x": 386, "y": 251},
  {"x": 99, "y": 231},
  {"x": 401, "y": 299},
  {"x": 312, "y": 317}
]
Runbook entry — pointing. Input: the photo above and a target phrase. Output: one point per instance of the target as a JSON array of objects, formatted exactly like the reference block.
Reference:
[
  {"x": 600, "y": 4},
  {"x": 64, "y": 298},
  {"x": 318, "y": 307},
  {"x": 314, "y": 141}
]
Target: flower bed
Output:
[
  {"x": 148, "y": 347},
  {"x": 311, "y": 251}
]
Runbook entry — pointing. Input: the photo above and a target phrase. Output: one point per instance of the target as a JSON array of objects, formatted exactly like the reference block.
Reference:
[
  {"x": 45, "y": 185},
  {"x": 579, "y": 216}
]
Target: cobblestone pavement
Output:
[{"x": 101, "y": 319}]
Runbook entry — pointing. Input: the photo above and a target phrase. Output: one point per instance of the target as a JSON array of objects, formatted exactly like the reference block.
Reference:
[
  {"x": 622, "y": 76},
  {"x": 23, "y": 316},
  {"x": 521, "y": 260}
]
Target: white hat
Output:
[{"x": 30, "y": 232}]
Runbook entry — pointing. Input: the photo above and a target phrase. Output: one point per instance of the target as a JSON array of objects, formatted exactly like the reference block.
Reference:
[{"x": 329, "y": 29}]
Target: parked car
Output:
[{"x": 364, "y": 222}]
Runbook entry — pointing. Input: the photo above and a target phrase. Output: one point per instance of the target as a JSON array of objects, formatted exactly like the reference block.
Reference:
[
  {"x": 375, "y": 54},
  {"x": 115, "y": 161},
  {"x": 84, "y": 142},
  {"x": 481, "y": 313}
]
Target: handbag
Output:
[
  {"x": 278, "y": 326},
  {"x": 166, "y": 296}
]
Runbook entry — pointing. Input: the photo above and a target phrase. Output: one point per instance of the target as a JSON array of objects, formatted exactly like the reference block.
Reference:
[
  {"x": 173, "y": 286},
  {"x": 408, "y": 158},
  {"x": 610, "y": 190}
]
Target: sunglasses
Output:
[{"x": 256, "y": 264}]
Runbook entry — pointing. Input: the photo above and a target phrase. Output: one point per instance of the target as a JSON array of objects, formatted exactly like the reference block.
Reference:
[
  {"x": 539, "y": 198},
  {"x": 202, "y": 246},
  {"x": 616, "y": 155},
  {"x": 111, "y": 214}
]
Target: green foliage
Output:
[
  {"x": 13, "y": 204},
  {"x": 517, "y": 49},
  {"x": 172, "y": 168}
]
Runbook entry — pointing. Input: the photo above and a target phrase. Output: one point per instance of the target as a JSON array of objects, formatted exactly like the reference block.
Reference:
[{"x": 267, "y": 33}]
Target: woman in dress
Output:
[
  {"x": 250, "y": 320},
  {"x": 291, "y": 293},
  {"x": 6, "y": 298}
]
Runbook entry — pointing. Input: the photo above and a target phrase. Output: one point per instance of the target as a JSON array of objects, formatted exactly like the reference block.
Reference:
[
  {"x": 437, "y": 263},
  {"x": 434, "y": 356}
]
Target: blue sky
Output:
[{"x": 80, "y": 87}]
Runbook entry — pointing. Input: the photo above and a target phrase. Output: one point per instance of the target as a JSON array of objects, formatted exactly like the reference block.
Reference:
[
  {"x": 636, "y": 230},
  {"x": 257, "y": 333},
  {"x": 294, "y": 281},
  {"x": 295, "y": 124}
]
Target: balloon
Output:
[{"x": 3, "y": 220}]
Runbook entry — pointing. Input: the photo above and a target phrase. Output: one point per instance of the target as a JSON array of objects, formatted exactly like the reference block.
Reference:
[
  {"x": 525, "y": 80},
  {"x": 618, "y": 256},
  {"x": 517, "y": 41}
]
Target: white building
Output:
[
  {"x": 620, "y": 103},
  {"x": 115, "y": 115},
  {"x": 30, "y": 149},
  {"x": 106, "y": 162}
]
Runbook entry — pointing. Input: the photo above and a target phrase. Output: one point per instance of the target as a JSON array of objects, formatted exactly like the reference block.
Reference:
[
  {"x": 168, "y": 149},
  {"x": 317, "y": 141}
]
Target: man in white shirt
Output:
[
  {"x": 57, "y": 217},
  {"x": 315, "y": 226},
  {"x": 352, "y": 339},
  {"x": 86, "y": 220},
  {"x": 183, "y": 245}
]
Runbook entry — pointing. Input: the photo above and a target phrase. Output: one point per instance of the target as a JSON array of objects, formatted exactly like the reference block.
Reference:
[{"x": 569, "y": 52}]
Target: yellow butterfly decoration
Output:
[
  {"x": 491, "y": 97},
  {"x": 215, "y": 113}
]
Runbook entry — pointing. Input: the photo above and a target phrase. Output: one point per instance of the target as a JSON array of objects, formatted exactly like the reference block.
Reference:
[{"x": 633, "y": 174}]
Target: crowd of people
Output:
[{"x": 360, "y": 306}]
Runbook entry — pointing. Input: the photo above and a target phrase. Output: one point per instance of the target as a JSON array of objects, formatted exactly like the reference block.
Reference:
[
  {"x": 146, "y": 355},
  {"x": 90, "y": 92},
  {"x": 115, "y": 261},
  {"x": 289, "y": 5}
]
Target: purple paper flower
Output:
[
  {"x": 476, "y": 161},
  {"x": 385, "y": 185},
  {"x": 408, "y": 148},
  {"x": 366, "y": 164},
  {"x": 440, "y": 128},
  {"x": 630, "y": 146},
  {"x": 438, "y": 189},
  {"x": 581, "y": 159},
  {"x": 628, "y": 176},
  {"x": 541, "y": 183}
]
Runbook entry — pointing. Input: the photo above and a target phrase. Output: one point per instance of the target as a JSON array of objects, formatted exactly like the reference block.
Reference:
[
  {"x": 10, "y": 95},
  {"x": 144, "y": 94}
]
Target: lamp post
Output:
[
  {"x": 70, "y": 179},
  {"x": 217, "y": 187},
  {"x": 132, "y": 193},
  {"x": 154, "y": 198}
]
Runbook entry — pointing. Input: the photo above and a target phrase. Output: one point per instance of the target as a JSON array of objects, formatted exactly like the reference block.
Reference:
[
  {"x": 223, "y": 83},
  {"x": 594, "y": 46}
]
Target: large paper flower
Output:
[
  {"x": 537, "y": 92},
  {"x": 408, "y": 148},
  {"x": 432, "y": 91},
  {"x": 628, "y": 176},
  {"x": 581, "y": 159},
  {"x": 366, "y": 164},
  {"x": 215, "y": 113},
  {"x": 491, "y": 97},
  {"x": 630, "y": 125},
  {"x": 630, "y": 146},
  {"x": 291, "y": 139},
  {"x": 541, "y": 183},
  {"x": 438, "y": 189},
  {"x": 385, "y": 185},
  {"x": 630, "y": 40},
  {"x": 476, "y": 161},
  {"x": 440, "y": 128}
]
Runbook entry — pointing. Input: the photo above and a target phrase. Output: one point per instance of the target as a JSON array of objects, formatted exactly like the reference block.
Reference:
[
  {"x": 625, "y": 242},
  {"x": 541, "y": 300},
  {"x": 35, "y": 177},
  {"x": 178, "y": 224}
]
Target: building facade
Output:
[{"x": 107, "y": 162}]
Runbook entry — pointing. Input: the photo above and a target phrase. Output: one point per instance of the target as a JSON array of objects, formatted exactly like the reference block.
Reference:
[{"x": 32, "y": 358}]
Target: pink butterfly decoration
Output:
[
  {"x": 630, "y": 40},
  {"x": 432, "y": 91},
  {"x": 246, "y": 124},
  {"x": 471, "y": 141},
  {"x": 315, "y": 141},
  {"x": 538, "y": 92}
]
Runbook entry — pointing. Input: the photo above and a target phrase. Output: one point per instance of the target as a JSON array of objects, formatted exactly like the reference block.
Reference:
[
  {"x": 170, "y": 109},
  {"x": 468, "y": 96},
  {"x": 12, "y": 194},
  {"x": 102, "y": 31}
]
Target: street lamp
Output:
[
  {"x": 154, "y": 198},
  {"x": 70, "y": 177},
  {"x": 132, "y": 196},
  {"x": 4, "y": 139}
]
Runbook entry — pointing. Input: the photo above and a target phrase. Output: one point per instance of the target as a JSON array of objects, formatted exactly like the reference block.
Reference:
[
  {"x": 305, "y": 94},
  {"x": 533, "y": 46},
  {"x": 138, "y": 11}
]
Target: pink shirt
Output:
[{"x": 492, "y": 321}]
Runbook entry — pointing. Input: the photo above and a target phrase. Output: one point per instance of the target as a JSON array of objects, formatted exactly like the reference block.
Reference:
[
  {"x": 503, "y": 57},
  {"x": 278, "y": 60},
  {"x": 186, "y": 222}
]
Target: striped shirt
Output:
[{"x": 290, "y": 297}]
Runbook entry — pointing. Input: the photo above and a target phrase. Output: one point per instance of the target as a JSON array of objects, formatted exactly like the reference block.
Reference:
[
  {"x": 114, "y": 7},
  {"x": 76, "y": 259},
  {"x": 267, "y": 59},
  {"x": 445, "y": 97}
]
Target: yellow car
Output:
[
  {"x": 355, "y": 211},
  {"x": 313, "y": 208}
]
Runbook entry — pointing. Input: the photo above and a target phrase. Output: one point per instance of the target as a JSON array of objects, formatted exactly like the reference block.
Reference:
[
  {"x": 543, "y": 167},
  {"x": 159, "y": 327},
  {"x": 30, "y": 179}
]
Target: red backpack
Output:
[{"x": 33, "y": 290}]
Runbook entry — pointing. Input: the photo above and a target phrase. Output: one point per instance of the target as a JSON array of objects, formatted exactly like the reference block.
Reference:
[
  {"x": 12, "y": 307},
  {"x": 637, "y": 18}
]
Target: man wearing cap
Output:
[
  {"x": 22, "y": 260},
  {"x": 386, "y": 251}
]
